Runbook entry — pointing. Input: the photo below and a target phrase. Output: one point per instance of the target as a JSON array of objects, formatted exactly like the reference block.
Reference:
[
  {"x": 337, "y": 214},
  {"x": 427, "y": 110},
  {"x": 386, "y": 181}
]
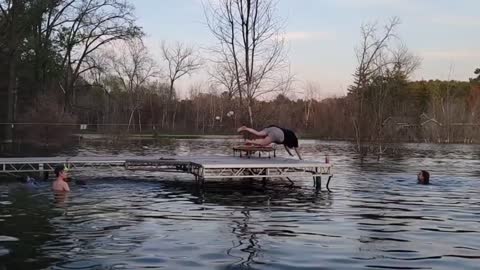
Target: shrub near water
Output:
[{"x": 45, "y": 123}]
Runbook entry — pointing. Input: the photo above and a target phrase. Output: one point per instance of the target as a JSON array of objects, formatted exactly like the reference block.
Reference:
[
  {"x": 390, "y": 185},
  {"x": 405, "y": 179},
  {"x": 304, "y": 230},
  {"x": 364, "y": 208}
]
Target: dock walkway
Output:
[{"x": 201, "y": 167}]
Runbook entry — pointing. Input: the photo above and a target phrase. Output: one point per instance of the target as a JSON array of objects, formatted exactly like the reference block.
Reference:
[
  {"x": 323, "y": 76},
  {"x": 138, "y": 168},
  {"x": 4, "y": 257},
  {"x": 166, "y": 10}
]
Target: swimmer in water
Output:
[
  {"x": 60, "y": 184},
  {"x": 423, "y": 178},
  {"x": 29, "y": 182}
]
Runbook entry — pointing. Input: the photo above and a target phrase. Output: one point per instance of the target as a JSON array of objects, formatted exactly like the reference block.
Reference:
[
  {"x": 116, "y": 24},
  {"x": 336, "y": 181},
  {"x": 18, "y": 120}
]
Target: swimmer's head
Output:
[
  {"x": 60, "y": 169},
  {"x": 423, "y": 177},
  {"x": 23, "y": 179}
]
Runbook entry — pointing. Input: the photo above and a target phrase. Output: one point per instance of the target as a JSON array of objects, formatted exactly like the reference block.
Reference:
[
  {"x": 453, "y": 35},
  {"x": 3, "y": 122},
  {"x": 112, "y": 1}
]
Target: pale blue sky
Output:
[{"x": 324, "y": 33}]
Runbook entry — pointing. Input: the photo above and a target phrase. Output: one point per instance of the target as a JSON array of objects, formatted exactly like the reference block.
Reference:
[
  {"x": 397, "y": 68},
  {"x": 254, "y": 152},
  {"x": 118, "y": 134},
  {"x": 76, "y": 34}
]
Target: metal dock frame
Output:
[
  {"x": 43, "y": 166},
  {"x": 202, "y": 168}
]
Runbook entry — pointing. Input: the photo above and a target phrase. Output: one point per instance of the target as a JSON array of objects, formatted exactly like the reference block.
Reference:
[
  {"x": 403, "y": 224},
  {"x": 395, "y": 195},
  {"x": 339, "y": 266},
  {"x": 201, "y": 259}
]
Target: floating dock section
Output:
[{"x": 202, "y": 168}]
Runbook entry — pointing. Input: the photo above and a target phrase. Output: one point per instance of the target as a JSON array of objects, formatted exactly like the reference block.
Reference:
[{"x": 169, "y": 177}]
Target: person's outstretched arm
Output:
[
  {"x": 253, "y": 131},
  {"x": 298, "y": 153},
  {"x": 288, "y": 150}
]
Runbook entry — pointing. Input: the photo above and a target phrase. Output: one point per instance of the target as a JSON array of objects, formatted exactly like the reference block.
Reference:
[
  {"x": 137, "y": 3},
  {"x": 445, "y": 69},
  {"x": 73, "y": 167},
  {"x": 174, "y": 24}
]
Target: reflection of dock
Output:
[{"x": 212, "y": 167}]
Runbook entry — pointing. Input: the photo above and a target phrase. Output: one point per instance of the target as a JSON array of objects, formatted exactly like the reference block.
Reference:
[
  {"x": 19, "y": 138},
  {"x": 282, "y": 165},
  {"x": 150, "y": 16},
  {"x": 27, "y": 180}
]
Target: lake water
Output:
[{"x": 376, "y": 216}]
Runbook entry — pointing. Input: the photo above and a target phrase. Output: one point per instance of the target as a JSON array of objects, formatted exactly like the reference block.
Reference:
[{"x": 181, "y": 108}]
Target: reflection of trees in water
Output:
[
  {"x": 247, "y": 238},
  {"x": 275, "y": 196},
  {"x": 26, "y": 218},
  {"x": 246, "y": 198},
  {"x": 383, "y": 217}
]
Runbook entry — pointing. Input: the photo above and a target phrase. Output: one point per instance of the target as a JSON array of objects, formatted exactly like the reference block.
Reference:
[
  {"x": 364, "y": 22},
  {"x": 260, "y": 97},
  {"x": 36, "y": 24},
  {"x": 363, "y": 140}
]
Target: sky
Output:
[{"x": 322, "y": 35}]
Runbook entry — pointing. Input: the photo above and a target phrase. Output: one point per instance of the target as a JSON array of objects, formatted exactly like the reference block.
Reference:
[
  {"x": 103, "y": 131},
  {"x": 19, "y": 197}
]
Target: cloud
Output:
[
  {"x": 461, "y": 54},
  {"x": 304, "y": 36}
]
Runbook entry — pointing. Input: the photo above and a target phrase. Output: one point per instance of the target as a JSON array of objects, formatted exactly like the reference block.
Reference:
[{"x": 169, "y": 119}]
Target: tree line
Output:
[{"x": 69, "y": 62}]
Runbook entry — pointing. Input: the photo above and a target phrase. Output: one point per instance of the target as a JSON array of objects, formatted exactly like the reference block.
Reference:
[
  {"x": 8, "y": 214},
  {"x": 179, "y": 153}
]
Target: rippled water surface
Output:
[{"x": 376, "y": 216}]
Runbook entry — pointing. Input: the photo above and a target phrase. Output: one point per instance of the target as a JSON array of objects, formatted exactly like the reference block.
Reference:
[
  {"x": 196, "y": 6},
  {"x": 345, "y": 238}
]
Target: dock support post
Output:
[
  {"x": 328, "y": 182},
  {"x": 264, "y": 179},
  {"x": 318, "y": 182},
  {"x": 40, "y": 170},
  {"x": 196, "y": 179}
]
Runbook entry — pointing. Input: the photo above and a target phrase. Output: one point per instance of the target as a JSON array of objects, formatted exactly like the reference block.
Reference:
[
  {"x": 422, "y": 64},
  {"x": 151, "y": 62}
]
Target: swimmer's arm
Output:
[
  {"x": 66, "y": 187},
  {"x": 288, "y": 150},
  {"x": 298, "y": 153}
]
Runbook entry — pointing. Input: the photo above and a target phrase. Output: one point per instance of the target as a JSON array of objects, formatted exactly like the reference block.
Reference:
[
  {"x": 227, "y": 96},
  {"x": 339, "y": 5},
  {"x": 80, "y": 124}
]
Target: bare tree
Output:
[
  {"x": 381, "y": 67},
  {"x": 368, "y": 55},
  {"x": 16, "y": 16},
  {"x": 10, "y": 24},
  {"x": 312, "y": 94},
  {"x": 250, "y": 46},
  {"x": 181, "y": 60},
  {"x": 50, "y": 19},
  {"x": 134, "y": 68},
  {"x": 88, "y": 26},
  {"x": 222, "y": 77}
]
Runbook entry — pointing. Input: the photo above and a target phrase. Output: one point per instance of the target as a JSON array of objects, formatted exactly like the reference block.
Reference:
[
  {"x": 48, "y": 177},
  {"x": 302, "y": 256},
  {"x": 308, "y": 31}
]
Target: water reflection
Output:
[
  {"x": 277, "y": 193},
  {"x": 26, "y": 219},
  {"x": 376, "y": 217},
  {"x": 61, "y": 199},
  {"x": 244, "y": 199}
]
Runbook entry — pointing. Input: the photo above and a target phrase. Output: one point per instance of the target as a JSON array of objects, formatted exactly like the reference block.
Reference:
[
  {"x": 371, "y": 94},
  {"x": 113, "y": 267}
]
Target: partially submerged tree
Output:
[
  {"x": 383, "y": 68},
  {"x": 251, "y": 47}
]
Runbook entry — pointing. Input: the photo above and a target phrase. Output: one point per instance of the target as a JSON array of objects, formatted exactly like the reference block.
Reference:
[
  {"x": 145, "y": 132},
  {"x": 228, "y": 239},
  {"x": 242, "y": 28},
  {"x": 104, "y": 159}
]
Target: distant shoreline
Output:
[
  {"x": 95, "y": 136},
  {"x": 103, "y": 136}
]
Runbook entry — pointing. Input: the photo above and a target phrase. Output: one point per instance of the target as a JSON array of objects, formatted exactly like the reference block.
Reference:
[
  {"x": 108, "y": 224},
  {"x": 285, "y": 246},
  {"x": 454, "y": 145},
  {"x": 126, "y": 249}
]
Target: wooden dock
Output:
[{"x": 202, "y": 168}]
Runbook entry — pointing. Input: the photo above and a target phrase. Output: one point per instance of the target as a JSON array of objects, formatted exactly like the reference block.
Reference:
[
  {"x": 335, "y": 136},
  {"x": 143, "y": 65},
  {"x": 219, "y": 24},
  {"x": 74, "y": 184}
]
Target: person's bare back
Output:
[
  {"x": 273, "y": 134},
  {"x": 60, "y": 184}
]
